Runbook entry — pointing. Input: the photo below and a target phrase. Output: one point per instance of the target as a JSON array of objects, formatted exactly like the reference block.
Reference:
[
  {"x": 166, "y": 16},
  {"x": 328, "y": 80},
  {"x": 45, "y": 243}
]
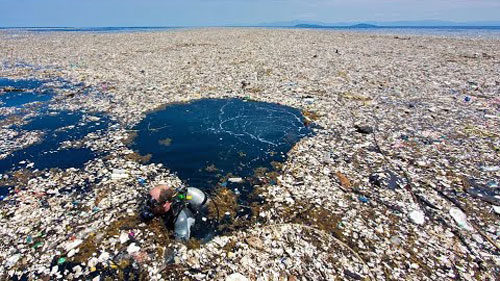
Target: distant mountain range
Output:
[
  {"x": 374, "y": 24},
  {"x": 360, "y": 25}
]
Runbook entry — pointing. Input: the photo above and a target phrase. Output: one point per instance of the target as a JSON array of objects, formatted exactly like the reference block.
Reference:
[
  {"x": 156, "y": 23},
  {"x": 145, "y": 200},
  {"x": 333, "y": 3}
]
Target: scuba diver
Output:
[{"x": 178, "y": 207}]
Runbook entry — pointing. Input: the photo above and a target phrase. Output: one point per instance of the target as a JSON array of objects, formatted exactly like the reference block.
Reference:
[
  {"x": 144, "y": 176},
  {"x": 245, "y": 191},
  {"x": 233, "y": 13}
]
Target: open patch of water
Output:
[
  {"x": 57, "y": 127},
  {"x": 4, "y": 192},
  {"x": 220, "y": 142},
  {"x": 206, "y": 139},
  {"x": 17, "y": 93}
]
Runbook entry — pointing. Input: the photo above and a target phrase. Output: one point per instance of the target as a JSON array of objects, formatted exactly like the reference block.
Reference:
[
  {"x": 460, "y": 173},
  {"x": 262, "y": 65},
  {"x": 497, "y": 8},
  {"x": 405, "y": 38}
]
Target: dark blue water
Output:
[
  {"x": 4, "y": 192},
  {"x": 207, "y": 139},
  {"x": 17, "y": 93},
  {"x": 57, "y": 127}
]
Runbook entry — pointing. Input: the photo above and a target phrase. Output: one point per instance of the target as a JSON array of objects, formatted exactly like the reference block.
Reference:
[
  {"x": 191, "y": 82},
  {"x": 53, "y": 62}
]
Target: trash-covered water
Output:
[
  {"x": 55, "y": 127},
  {"x": 207, "y": 139}
]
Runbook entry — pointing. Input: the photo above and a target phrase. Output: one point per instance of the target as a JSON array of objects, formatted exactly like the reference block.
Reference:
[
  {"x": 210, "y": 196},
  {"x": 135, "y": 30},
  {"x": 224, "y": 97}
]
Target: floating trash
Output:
[
  {"x": 417, "y": 217},
  {"x": 460, "y": 218}
]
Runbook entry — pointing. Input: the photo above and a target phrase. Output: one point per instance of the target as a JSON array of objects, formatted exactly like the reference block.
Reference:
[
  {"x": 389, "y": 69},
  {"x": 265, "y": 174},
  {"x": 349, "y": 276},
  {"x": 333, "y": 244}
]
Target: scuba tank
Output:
[
  {"x": 188, "y": 202},
  {"x": 183, "y": 223},
  {"x": 196, "y": 198}
]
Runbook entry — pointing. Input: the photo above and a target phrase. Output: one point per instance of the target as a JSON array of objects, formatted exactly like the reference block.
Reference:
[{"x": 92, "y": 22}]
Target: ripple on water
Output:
[{"x": 207, "y": 138}]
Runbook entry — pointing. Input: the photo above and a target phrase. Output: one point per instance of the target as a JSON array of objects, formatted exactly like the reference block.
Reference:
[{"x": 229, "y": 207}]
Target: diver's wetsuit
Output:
[{"x": 181, "y": 216}]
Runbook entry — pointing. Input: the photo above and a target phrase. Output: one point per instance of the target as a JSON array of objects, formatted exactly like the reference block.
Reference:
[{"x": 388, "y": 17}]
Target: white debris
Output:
[
  {"x": 11, "y": 261},
  {"x": 103, "y": 257},
  {"x": 132, "y": 248},
  {"x": 460, "y": 218},
  {"x": 490, "y": 168},
  {"x": 235, "y": 180},
  {"x": 236, "y": 277},
  {"x": 72, "y": 244},
  {"x": 123, "y": 237},
  {"x": 71, "y": 253},
  {"x": 119, "y": 174},
  {"x": 417, "y": 217}
]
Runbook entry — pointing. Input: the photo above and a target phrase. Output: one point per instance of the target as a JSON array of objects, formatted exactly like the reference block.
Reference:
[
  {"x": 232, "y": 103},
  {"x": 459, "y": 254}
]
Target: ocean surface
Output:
[
  {"x": 205, "y": 140},
  {"x": 220, "y": 143},
  {"x": 87, "y": 29},
  {"x": 492, "y": 32}
]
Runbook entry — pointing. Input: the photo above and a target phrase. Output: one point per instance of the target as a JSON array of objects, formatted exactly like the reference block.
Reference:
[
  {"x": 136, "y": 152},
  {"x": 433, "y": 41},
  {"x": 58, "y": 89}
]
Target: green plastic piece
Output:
[{"x": 37, "y": 245}]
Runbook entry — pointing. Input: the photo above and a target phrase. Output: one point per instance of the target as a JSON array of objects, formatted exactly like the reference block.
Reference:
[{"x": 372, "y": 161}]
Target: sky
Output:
[{"x": 92, "y": 13}]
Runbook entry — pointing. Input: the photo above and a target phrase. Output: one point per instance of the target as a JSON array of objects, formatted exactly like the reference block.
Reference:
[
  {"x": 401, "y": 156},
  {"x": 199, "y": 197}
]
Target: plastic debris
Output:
[
  {"x": 363, "y": 199},
  {"x": 119, "y": 174},
  {"x": 132, "y": 248},
  {"x": 363, "y": 129},
  {"x": 492, "y": 184},
  {"x": 417, "y": 217},
  {"x": 104, "y": 257},
  {"x": 235, "y": 180},
  {"x": 423, "y": 132},
  {"x": 12, "y": 260},
  {"x": 236, "y": 277},
  {"x": 72, "y": 244},
  {"x": 396, "y": 240},
  {"x": 123, "y": 238},
  {"x": 141, "y": 181},
  {"x": 460, "y": 218},
  {"x": 490, "y": 168},
  {"x": 71, "y": 253}
]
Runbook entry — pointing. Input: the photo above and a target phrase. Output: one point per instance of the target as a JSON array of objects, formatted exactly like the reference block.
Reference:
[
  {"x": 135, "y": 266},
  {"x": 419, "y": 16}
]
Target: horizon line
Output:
[{"x": 249, "y": 25}]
